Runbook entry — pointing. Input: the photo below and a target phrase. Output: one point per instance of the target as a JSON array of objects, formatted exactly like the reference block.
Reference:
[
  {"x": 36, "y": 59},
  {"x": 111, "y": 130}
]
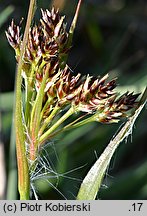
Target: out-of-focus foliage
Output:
[
  {"x": 111, "y": 36},
  {"x": 5, "y": 13}
]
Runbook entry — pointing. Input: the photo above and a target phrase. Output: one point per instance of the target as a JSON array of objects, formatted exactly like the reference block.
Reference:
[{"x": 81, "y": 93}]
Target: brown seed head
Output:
[
  {"x": 47, "y": 43},
  {"x": 13, "y": 35}
]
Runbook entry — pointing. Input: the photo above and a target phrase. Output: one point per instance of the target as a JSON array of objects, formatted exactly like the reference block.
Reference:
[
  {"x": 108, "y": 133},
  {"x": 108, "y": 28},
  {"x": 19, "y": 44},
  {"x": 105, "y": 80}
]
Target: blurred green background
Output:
[{"x": 111, "y": 36}]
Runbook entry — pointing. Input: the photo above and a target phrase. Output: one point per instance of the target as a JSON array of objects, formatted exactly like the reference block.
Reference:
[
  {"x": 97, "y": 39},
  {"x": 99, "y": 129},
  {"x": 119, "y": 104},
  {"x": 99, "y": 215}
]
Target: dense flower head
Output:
[
  {"x": 52, "y": 93},
  {"x": 47, "y": 44},
  {"x": 88, "y": 94},
  {"x": 46, "y": 40}
]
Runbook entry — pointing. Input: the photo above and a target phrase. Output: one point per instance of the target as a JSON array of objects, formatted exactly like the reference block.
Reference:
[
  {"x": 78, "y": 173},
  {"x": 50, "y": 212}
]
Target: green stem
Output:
[
  {"x": 48, "y": 104},
  {"x": 64, "y": 57},
  {"x": 78, "y": 124},
  {"x": 35, "y": 116},
  {"x": 23, "y": 170},
  {"x": 71, "y": 125},
  {"x": 74, "y": 22},
  {"x": 49, "y": 119},
  {"x": 28, "y": 104},
  {"x": 29, "y": 84},
  {"x": 28, "y": 92},
  {"x": 56, "y": 125}
]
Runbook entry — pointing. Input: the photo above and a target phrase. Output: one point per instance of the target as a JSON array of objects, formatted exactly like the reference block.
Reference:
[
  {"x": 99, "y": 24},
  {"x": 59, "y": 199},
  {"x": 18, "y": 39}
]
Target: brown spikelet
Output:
[
  {"x": 47, "y": 43},
  {"x": 13, "y": 35}
]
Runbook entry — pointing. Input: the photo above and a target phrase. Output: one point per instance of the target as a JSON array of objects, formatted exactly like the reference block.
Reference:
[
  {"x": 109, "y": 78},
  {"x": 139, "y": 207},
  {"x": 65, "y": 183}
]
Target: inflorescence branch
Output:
[{"x": 52, "y": 89}]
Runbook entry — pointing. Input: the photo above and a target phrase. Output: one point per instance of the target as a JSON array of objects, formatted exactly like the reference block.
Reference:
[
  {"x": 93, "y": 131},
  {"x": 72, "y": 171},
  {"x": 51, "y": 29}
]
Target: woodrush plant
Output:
[{"x": 52, "y": 90}]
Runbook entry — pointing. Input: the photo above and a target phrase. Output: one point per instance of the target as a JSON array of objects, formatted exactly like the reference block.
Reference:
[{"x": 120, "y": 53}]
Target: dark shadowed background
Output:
[{"x": 111, "y": 36}]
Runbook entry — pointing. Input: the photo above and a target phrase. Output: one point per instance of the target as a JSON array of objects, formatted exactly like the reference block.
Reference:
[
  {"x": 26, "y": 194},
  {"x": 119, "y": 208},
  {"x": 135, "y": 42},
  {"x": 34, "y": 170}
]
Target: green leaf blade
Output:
[{"x": 92, "y": 182}]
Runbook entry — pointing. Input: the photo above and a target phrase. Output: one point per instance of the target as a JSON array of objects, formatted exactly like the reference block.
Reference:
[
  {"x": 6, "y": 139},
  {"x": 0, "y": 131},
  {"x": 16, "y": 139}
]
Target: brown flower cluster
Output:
[
  {"x": 47, "y": 44},
  {"x": 89, "y": 94},
  {"x": 47, "y": 40}
]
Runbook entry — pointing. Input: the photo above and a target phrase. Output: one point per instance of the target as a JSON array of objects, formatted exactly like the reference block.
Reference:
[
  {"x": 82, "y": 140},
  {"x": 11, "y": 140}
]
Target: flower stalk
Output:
[
  {"x": 57, "y": 124},
  {"x": 23, "y": 170},
  {"x": 48, "y": 120},
  {"x": 51, "y": 88}
]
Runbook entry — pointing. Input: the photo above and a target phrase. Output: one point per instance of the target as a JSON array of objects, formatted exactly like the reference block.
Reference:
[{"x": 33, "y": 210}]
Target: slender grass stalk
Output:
[
  {"x": 48, "y": 102},
  {"x": 23, "y": 172},
  {"x": 35, "y": 116},
  {"x": 28, "y": 96},
  {"x": 29, "y": 83},
  {"x": 49, "y": 119},
  {"x": 71, "y": 32},
  {"x": 67, "y": 127},
  {"x": 56, "y": 125},
  {"x": 73, "y": 25}
]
